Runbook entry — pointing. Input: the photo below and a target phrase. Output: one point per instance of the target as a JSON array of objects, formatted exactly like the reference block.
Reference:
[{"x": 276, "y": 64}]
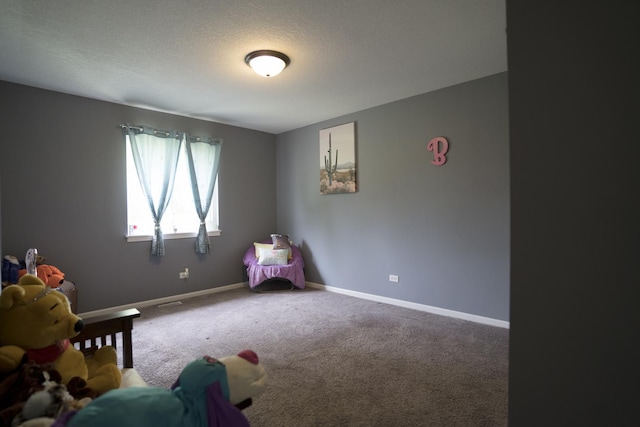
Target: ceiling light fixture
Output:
[{"x": 267, "y": 63}]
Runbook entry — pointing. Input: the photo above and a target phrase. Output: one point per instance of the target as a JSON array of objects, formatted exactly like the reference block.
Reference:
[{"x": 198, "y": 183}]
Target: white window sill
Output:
[{"x": 169, "y": 236}]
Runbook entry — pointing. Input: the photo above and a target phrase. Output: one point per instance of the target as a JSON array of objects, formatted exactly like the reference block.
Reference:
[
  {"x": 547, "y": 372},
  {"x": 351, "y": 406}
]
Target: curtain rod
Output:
[
  {"x": 125, "y": 126},
  {"x": 167, "y": 133},
  {"x": 141, "y": 129}
]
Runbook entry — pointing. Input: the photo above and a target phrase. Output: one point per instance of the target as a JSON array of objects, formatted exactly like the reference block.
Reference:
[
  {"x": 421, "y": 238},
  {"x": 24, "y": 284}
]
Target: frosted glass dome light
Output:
[{"x": 267, "y": 63}]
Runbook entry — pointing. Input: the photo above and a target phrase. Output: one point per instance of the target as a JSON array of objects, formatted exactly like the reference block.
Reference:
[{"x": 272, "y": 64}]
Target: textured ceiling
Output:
[{"x": 187, "y": 57}]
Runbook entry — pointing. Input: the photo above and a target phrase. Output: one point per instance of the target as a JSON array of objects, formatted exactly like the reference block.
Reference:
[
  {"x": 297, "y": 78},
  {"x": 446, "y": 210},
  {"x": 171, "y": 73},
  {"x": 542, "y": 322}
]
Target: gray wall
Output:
[
  {"x": 63, "y": 192},
  {"x": 444, "y": 230},
  {"x": 574, "y": 98},
  {"x": 1, "y": 253}
]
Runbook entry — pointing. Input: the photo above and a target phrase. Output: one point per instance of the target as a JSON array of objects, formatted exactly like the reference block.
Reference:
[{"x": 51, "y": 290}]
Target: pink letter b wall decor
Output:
[{"x": 439, "y": 145}]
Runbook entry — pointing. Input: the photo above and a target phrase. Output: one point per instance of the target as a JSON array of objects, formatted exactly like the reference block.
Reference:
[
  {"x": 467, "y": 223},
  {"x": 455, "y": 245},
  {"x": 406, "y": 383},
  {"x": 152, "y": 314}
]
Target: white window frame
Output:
[{"x": 182, "y": 196}]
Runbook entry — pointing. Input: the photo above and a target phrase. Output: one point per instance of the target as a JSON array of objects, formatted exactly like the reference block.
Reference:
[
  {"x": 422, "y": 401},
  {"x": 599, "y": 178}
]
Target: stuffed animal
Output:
[
  {"x": 49, "y": 274},
  {"x": 10, "y": 269},
  {"x": 206, "y": 394},
  {"x": 18, "y": 385},
  {"x": 44, "y": 406},
  {"x": 34, "y": 397},
  {"x": 37, "y": 320}
]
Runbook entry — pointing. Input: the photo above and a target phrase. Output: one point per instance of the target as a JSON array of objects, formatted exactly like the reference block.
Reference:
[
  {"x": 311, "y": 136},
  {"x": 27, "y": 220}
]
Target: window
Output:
[{"x": 180, "y": 220}]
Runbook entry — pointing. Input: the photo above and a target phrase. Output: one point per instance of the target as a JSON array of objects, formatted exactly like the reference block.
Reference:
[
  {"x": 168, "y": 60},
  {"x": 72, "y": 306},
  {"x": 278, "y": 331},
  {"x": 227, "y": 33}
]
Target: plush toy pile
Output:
[
  {"x": 12, "y": 270},
  {"x": 36, "y": 322},
  {"x": 208, "y": 393},
  {"x": 45, "y": 381}
]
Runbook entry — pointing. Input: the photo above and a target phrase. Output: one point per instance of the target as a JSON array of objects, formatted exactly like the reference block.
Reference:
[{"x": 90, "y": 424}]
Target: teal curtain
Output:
[
  {"x": 156, "y": 154},
  {"x": 203, "y": 157}
]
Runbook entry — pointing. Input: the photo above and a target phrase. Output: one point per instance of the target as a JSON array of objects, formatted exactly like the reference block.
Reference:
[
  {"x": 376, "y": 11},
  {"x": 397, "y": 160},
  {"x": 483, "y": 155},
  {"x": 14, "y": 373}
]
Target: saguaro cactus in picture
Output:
[{"x": 327, "y": 164}]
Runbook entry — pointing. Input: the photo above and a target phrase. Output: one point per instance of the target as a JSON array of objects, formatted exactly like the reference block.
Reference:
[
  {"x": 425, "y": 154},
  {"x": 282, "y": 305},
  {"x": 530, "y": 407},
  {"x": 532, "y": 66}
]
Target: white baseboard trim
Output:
[
  {"x": 371, "y": 297},
  {"x": 414, "y": 306},
  {"x": 165, "y": 300}
]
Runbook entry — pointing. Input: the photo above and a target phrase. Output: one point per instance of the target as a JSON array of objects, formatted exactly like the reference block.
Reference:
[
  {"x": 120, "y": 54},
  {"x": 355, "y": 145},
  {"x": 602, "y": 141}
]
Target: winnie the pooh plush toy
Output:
[{"x": 37, "y": 321}]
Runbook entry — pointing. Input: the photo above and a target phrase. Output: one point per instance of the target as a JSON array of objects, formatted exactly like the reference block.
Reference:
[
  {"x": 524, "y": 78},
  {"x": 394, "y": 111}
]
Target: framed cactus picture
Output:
[{"x": 338, "y": 159}]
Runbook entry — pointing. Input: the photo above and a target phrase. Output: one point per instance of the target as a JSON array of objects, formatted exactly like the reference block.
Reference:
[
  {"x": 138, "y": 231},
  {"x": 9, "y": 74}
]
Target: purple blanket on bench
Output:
[{"x": 293, "y": 271}]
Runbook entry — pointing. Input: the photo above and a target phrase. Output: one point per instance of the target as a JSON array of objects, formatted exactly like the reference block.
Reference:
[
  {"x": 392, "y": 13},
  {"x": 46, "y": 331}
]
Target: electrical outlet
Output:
[
  {"x": 184, "y": 274},
  {"x": 393, "y": 278}
]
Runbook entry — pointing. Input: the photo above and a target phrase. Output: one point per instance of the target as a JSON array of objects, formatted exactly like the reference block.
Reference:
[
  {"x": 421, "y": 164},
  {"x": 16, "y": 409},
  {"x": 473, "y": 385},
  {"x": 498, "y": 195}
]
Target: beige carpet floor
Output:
[{"x": 336, "y": 360}]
